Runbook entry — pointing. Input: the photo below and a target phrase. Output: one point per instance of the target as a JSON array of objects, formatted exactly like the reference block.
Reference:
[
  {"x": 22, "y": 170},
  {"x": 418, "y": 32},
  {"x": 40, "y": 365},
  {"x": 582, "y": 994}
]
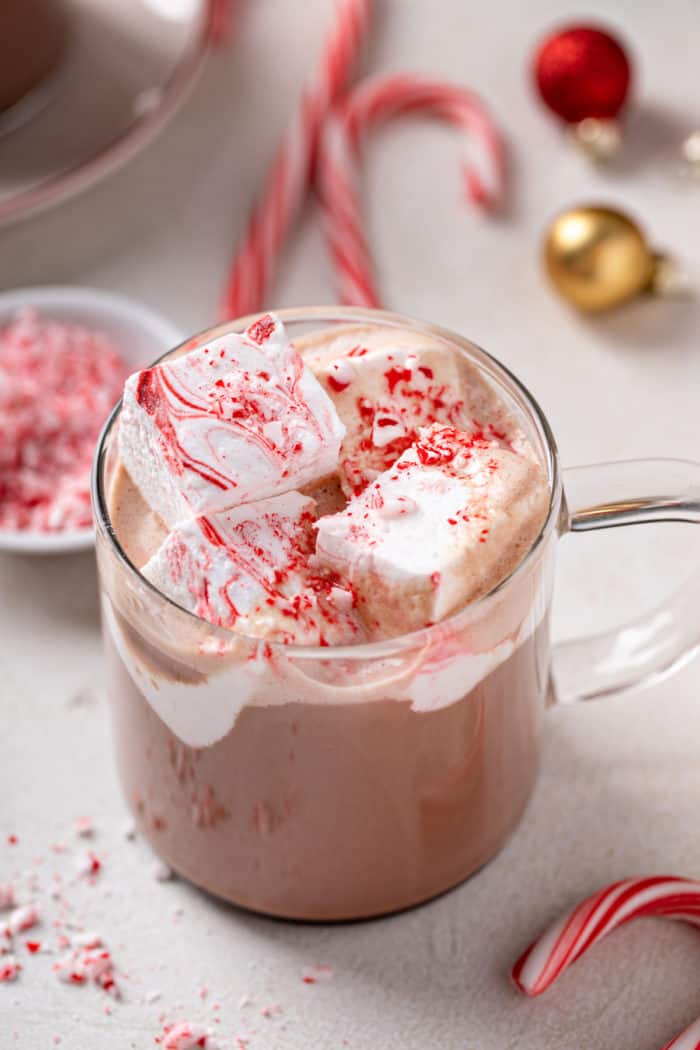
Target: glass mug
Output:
[{"x": 343, "y": 783}]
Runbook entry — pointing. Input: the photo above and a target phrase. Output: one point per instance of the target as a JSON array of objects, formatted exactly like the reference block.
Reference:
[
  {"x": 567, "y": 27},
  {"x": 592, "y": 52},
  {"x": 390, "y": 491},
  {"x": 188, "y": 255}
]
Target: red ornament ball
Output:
[{"x": 582, "y": 72}]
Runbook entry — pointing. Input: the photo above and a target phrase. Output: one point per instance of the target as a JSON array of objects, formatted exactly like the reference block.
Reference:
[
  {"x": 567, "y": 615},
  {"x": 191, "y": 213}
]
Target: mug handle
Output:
[{"x": 604, "y": 496}]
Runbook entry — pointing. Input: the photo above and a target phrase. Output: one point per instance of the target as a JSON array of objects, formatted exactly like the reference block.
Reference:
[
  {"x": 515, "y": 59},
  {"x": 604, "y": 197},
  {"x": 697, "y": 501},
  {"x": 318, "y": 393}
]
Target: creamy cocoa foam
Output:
[{"x": 325, "y": 788}]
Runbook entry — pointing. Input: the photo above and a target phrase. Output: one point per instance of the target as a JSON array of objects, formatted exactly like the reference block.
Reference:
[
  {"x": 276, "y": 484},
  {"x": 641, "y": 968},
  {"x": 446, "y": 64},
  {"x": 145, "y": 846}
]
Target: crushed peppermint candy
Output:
[
  {"x": 84, "y": 827},
  {"x": 81, "y": 958},
  {"x": 20, "y": 919},
  {"x": 9, "y": 968},
  {"x": 58, "y": 383},
  {"x": 87, "y": 939},
  {"x": 84, "y": 964},
  {"x": 88, "y": 865},
  {"x": 187, "y": 1036}
]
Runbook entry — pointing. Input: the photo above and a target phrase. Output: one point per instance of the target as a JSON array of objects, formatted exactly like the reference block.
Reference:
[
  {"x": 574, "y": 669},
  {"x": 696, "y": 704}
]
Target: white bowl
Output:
[{"x": 141, "y": 335}]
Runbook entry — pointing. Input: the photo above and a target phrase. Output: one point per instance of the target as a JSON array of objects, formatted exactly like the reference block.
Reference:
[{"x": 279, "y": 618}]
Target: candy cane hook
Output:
[{"x": 377, "y": 100}]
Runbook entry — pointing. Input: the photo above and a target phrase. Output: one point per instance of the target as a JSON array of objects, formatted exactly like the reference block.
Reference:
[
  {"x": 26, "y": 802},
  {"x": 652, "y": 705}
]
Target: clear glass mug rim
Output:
[{"x": 349, "y": 314}]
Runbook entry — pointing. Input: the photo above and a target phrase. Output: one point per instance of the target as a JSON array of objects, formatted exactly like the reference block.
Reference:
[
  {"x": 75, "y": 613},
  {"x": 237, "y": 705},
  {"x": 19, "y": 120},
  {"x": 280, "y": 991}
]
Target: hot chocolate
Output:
[
  {"x": 32, "y": 40},
  {"x": 337, "y": 718}
]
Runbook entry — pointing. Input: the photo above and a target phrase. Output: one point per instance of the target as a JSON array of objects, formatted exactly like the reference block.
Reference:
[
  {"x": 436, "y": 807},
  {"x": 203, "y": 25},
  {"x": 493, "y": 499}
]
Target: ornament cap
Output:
[
  {"x": 691, "y": 149},
  {"x": 598, "y": 139},
  {"x": 690, "y": 155},
  {"x": 668, "y": 277}
]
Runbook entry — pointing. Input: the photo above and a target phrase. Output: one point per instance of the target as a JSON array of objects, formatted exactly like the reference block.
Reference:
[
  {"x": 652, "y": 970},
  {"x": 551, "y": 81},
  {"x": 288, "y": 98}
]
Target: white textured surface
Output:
[{"x": 620, "y": 783}]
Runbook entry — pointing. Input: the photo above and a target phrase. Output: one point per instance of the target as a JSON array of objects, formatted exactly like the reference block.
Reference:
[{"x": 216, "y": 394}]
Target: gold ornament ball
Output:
[{"x": 598, "y": 258}]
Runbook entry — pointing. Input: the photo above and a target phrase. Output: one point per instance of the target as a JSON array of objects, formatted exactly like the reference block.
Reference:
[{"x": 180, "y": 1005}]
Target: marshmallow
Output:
[
  {"x": 248, "y": 569},
  {"x": 386, "y": 384},
  {"x": 241, "y": 418},
  {"x": 444, "y": 525}
]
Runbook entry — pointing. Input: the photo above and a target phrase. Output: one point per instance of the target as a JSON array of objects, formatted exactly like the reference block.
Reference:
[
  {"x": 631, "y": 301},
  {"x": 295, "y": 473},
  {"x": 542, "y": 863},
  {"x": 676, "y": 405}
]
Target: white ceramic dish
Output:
[{"x": 142, "y": 336}]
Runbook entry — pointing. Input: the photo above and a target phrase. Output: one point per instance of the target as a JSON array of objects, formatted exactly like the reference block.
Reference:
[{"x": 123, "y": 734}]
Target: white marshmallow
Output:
[
  {"x": 241, "y": 418},
  {"x": 386, "y": 384},
  {"x": 248, "y": 569},
  {"x": 451, "y": 518}
]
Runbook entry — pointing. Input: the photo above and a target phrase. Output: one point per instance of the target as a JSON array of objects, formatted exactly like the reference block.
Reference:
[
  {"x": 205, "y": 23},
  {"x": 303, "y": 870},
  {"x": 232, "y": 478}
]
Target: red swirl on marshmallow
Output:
[
  {"x": 248, "y": 569},
  {"x": 239, "y": 419},
  {"x": 443, "y": 526}
]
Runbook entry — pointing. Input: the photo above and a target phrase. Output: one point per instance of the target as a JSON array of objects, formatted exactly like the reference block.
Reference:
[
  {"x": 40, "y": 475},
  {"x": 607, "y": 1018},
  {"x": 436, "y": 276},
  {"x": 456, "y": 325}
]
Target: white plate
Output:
[
  {"x": 128, "y": 67},
  {"x": 141, "y": 335}
]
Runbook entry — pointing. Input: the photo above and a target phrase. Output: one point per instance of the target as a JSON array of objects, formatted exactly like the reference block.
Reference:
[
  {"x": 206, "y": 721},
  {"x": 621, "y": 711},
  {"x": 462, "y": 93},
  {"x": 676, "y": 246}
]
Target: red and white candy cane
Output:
[
  {"x": 221, "y": 15},
  {"x": 687, "y": 1040},
  {"x": 574, "y": 933},
  {"x": 377, "y": 100},
  {"x": 290, "y": 176}
]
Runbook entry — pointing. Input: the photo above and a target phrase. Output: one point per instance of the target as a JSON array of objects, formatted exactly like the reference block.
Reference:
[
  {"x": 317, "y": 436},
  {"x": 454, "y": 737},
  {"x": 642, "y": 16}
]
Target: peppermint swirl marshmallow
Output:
[
  {"x": 250, "y": 569},
  {"x": 241, "y": 418},
  {"x": 441, "y": 527},
  {"x": 386, "y": 385}
]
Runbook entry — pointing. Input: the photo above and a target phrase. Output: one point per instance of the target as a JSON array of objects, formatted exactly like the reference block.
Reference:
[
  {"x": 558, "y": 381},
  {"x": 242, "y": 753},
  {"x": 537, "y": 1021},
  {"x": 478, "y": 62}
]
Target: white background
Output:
[{"x": 620, "y": 783}]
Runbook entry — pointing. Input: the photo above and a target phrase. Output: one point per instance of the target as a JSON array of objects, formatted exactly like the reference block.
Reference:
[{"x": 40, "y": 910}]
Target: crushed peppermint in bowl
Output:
[{"x": 64, "y": 356}]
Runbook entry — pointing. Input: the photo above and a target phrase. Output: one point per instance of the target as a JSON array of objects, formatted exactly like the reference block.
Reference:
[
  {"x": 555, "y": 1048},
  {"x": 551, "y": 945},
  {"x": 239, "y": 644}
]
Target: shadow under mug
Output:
[{"x": 348, "y": 782}]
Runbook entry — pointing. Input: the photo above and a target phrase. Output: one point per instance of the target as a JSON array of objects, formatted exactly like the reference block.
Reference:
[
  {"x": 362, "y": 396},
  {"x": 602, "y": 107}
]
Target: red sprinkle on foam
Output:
[
  {"x": 12, "y": 840},
  {"x": 336, "y": 384},
  {"x": 397, "y": 375},
  {"x": 59, "y": 382},
  {"x": 261, "y": 330}
]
